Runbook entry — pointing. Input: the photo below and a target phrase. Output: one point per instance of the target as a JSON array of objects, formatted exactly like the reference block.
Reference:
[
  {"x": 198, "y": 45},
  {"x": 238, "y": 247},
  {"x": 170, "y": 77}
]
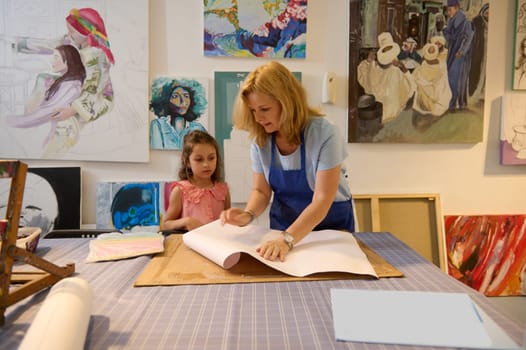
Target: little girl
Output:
[{"x": 201, "y": 195}]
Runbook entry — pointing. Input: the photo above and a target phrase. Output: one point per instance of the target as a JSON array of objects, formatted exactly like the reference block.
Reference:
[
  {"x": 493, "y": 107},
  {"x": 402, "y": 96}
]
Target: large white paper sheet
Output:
[
  {"x": 414, "y": 318},
  {"x": 319, "y": 251}
]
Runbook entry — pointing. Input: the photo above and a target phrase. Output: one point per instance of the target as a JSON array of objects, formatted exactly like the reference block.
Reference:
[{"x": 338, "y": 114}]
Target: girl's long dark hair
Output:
[{"x": 75, "y": 71}]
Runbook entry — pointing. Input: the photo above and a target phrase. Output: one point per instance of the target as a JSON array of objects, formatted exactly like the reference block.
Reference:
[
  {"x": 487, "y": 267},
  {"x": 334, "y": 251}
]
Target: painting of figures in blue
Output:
[
  {"x": 255, "y": 28},
  {"x": 125, "y": 206}
]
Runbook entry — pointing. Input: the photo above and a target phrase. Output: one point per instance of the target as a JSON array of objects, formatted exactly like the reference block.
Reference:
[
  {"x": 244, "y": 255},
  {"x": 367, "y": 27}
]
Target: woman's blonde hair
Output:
[{"x": 275, "y": 80}]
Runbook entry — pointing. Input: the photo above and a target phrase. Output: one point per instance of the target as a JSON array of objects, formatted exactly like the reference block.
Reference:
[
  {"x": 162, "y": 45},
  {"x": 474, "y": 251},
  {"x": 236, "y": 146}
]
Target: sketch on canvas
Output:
[
  {"x": 179, "y": 105},
  {"x": 73, "y": 82},
  {"x": 488, "y": 252},
  {"x": 417, "y": 71},
  {"x": 247, "y": 28},
  {"x": 513, "y": 129}
]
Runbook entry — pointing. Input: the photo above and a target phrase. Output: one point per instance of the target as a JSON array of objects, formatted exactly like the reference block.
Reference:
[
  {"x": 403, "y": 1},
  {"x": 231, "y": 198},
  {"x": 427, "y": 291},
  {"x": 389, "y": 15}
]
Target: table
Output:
[{"x": 284, "y": 315}]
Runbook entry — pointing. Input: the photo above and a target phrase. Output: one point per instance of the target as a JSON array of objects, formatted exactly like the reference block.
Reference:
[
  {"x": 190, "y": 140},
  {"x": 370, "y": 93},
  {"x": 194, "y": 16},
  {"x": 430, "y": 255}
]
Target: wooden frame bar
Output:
[
  {"x": 415, "y": 219},
  {"x": 15, "y": 286}
]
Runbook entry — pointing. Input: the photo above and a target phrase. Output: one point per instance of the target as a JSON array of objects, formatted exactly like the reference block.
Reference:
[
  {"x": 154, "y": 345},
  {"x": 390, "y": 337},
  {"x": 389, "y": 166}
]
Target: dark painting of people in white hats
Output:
[{"x": 417, "y": 71}]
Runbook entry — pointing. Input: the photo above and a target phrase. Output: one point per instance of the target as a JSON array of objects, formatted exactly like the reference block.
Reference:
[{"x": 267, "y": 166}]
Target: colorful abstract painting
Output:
[
  {"x": 126, "y": 206},
  {"x": 179, "y": 105},
  {"x": 513, "y": 129},
  {"x": 52, "y": 198},
  {"x": 417, "y": 71},
  {"x": 488, "y": 252},
  {"x": 255, "y": 28},
  {"x": 74, "y": 80}
]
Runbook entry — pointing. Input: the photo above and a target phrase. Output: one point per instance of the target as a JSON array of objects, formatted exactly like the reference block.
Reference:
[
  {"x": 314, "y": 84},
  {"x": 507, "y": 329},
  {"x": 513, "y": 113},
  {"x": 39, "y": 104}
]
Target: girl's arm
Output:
[{"x": 173, "y": 220}]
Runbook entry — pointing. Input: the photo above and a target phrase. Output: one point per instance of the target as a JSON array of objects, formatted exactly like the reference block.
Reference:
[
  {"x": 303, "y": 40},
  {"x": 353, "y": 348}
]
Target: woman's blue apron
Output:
[{"x": 292, "y": 194}]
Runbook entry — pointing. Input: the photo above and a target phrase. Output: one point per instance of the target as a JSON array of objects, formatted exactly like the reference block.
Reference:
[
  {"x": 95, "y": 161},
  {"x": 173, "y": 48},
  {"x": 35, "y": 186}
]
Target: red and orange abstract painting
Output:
[{"x": 488, "y": 252}]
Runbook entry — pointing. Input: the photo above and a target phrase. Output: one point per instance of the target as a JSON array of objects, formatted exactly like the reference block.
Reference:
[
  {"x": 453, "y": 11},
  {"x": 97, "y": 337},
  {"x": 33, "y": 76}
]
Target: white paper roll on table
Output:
[{"x": 63, "y": 319}]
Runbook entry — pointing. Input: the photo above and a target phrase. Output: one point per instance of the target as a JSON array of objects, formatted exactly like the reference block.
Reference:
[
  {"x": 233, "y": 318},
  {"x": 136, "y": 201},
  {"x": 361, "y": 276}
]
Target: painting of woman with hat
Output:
[{"x": 87, "y": 32}]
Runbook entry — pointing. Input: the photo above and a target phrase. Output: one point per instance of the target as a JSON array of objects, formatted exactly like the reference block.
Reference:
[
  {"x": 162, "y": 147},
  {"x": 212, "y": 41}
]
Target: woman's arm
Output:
[
  {"x": 257, "y": 203},
  {"x": 260, "y": 194},
  {"x": 324, "y": 193},
  {"x": 325, "y": 190},
  {"x": 227, "y": 200}
]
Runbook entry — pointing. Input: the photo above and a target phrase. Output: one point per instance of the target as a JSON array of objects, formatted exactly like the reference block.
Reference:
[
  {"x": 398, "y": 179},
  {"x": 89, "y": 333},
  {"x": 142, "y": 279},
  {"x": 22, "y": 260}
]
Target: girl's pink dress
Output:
[{"x": 203, "y": 204}]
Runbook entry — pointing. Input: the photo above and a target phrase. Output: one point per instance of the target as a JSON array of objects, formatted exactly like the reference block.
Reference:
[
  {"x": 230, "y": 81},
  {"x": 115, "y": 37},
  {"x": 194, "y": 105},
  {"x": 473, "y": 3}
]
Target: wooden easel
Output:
[{"x": 15, "y": 286}]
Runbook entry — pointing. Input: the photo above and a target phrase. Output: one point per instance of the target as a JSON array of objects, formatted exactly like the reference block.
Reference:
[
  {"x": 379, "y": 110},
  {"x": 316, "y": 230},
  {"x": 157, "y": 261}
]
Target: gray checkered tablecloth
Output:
[{"x": 284, "y": 315}]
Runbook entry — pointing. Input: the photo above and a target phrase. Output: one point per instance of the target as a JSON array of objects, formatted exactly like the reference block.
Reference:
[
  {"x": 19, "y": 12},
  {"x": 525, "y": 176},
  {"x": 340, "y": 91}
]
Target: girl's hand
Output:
[
  {"x": 272, "y": 250},
  {"x": 235, "y": 216},
  {"x": 192, "y": 223}
]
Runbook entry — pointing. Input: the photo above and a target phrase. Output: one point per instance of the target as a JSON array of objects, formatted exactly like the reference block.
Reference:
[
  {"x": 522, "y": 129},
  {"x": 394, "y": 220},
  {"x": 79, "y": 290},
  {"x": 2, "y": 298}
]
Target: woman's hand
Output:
[
  {"x": 235, "y": 216},
  {"x": 275, "y": 249}
]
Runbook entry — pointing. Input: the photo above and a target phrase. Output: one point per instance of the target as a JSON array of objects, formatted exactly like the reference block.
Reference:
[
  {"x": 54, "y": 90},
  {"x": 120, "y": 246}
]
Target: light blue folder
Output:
[{"x": 414, "y": 318}]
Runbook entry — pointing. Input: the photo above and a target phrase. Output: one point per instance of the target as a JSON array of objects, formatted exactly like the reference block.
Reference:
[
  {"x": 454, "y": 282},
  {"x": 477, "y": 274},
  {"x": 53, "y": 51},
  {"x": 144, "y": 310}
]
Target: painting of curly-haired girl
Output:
[{"x": 179, "y": 106}]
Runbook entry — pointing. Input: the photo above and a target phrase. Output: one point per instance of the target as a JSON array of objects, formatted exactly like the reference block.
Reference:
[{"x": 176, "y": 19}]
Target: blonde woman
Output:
[{"x": 297, "y": 158}]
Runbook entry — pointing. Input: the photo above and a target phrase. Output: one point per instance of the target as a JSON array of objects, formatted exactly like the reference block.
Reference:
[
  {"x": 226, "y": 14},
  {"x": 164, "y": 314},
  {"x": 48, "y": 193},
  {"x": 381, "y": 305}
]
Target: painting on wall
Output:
[
  {"x": 417, "y": 71},
  {"x": 248, "y": 28},
  {"x": 128, "y": 206},
  {"x": 513, "y": 129},
  {"x": 488, "y": 252},
  {"x": 51, "y": 201},
  {"x": 226, "y": 88},
  {"x": 179, "y": 105},
  {"x": 233, "y": 144},
  {"x": 519, "y": 52},
  {"x": 74, "y": 81}
]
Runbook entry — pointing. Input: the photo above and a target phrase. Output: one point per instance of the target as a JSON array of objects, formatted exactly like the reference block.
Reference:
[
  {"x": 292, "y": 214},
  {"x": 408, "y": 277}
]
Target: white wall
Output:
[{"x": 467, "y": 176}]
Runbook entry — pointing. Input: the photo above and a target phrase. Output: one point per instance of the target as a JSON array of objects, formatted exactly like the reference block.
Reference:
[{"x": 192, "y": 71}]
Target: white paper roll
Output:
[{"x": 63, "y": 319}]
